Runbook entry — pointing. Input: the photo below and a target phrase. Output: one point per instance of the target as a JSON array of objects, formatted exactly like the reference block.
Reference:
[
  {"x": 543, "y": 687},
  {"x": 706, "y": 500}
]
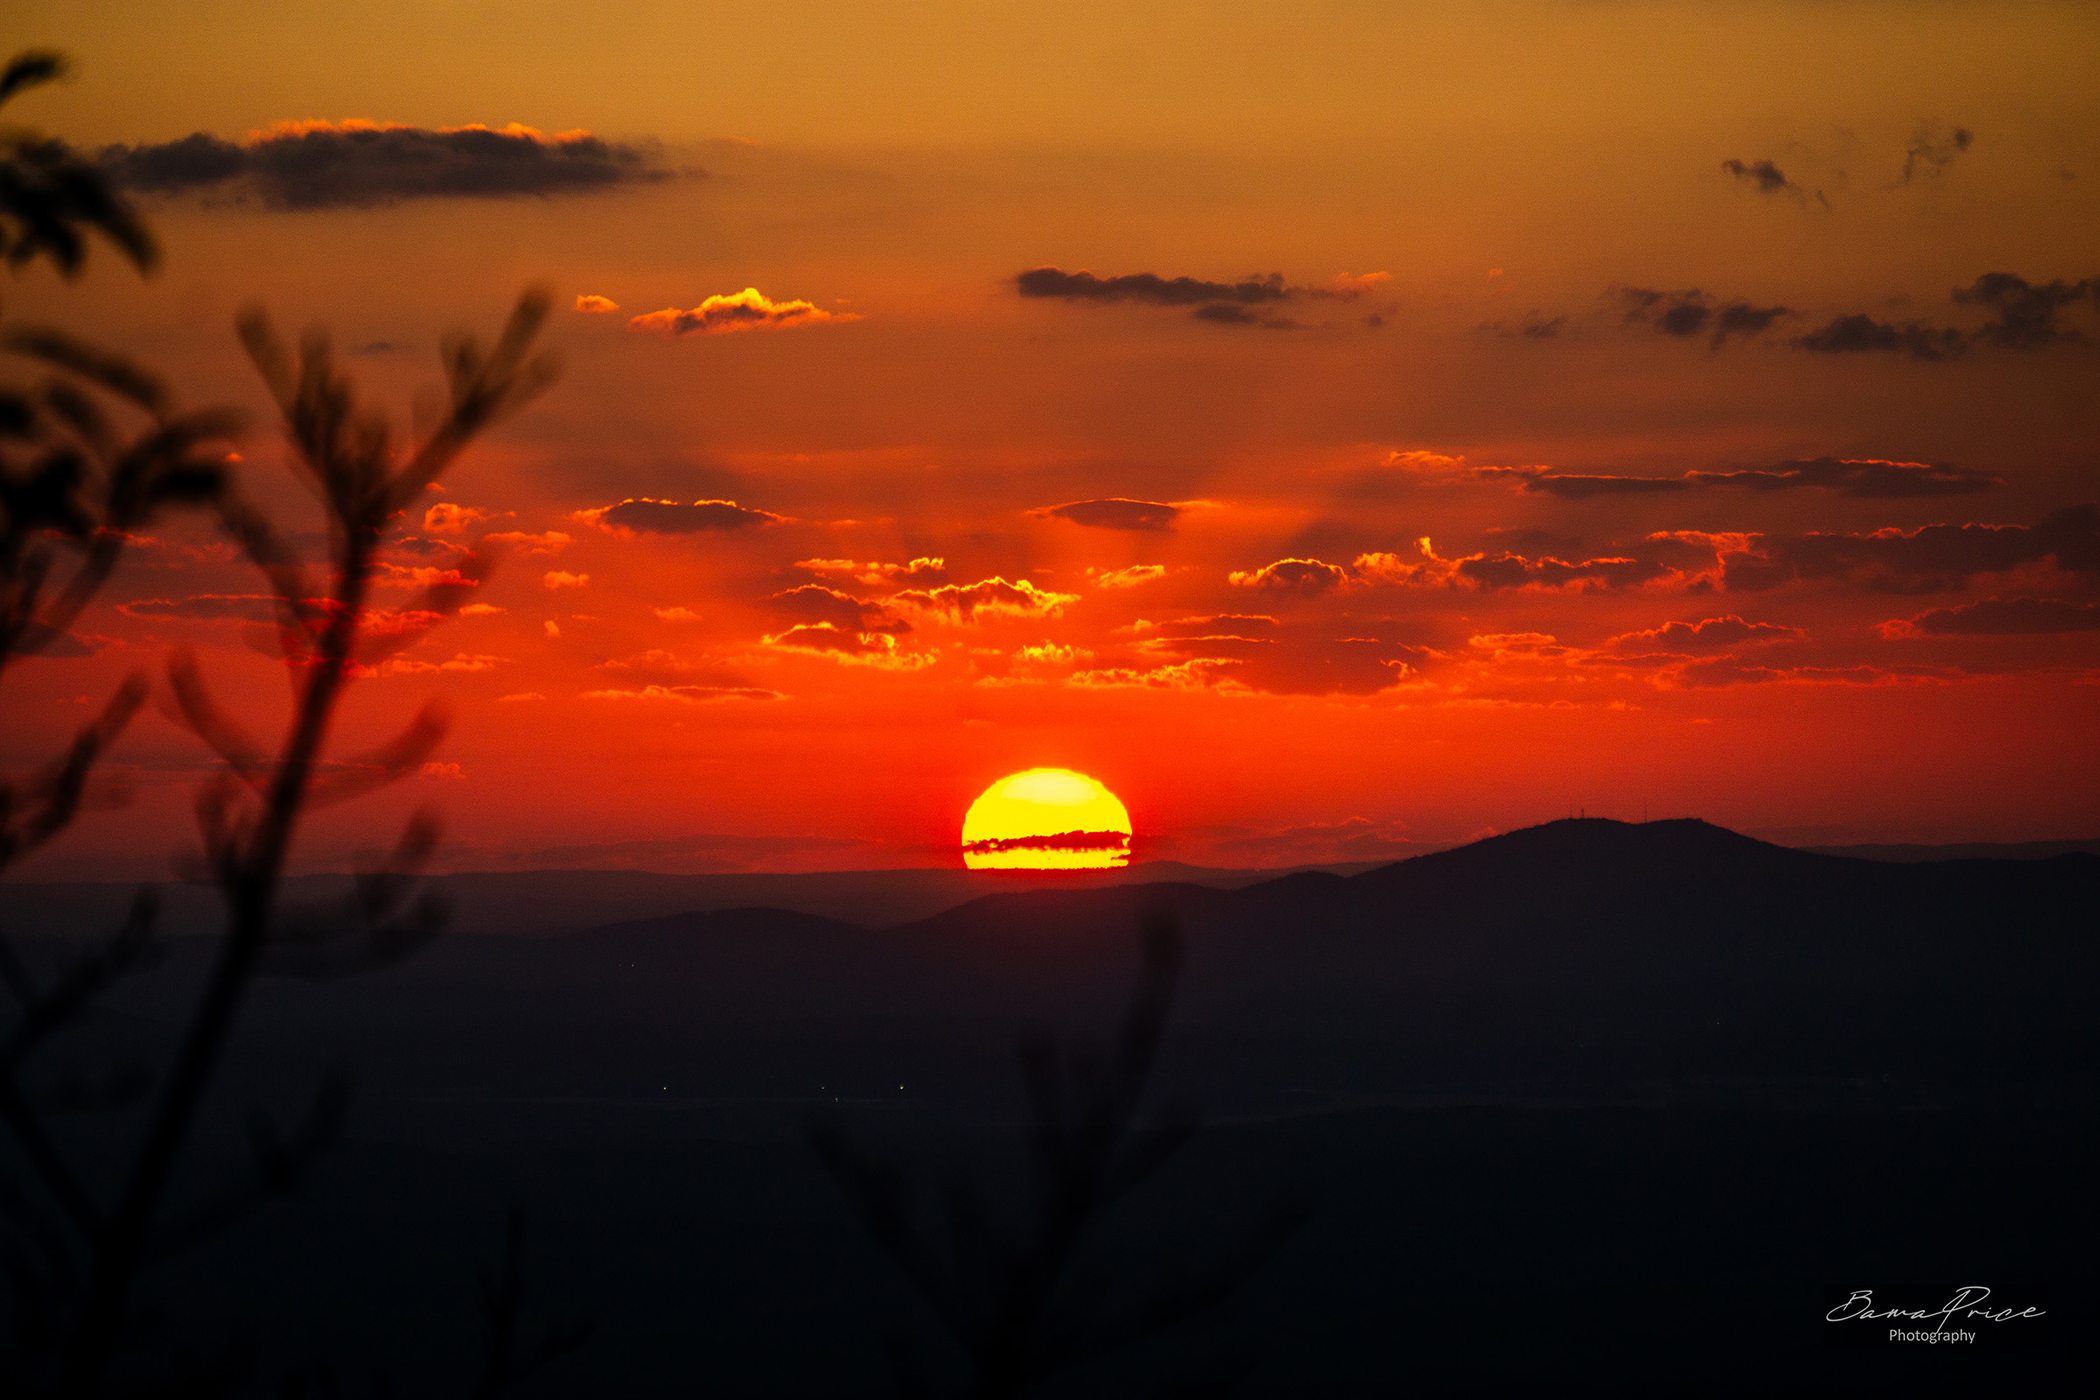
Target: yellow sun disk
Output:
[{"x": 1044, "y": 802}]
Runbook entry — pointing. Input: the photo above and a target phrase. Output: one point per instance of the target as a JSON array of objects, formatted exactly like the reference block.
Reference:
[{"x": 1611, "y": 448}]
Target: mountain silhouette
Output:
[
  {"x": 1602, "y": 1087},
  {"x": 1582, "y": 948}
]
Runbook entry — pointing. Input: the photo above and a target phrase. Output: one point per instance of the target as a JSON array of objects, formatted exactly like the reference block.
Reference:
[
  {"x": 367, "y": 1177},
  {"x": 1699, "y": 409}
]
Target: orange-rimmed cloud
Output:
[
  {"x": 469, "y": 662},
  {"x": 1356, "y": 284},
  {"x": 879, "y": 649},
  {"x": 1422, "y": 459},
  {"x": 1506, "y": 569},
  {"x": 1299, "y": 664},
  {"x": 1733, "y": 670},
  {"x": 1302, "y": 576},
  {"x": 356, "y": 163},
  {"x": 925, "y": 569},
  {"x": 354, "y": 126},
  {"x": 814, "y": 603},
  {"x": 1180, "y": 675},
  {"x": 591, "y": 304},
  {"x": 748, "y": 310},
  {"x": 966, "y": 601},
  {"x": 1528, "y": 644},
  {"x": 685, "y": 694},
  {"x": 1927, "y": 559},
  {"x": 450, "y": 518},
  {"x": 1258, "y": 652},
  {"x": 1706, "y": 634},
  {"x": 1999, "y": 617},
  {"x": 649, "y": 515},
  {"x": 544, "y": 542},
  {"x": 1129, "y": 577}
]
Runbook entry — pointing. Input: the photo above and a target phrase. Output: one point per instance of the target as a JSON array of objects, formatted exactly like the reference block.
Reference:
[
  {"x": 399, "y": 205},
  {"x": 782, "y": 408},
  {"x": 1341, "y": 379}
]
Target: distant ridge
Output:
[
  {"x": 1569, "y": 852},
  {"x": 1911, "y": 852},
  {"x": 538, "y": 902},
  {"x": 1585, "y": 947},
  {"x": 1589, "y": 952}
]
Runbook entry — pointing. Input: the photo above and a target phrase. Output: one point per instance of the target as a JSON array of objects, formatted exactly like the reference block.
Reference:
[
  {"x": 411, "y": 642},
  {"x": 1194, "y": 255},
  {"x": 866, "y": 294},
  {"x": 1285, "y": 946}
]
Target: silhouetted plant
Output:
[
  {"x": 1008, "y": 1291},
  {"x": 250, "y": 815},
  {"x": 76, "y": 482},
  {"x": 508, "y": 1353},
  {"x": 51, "y": 196},
  {"x": 88, "y": 455}
]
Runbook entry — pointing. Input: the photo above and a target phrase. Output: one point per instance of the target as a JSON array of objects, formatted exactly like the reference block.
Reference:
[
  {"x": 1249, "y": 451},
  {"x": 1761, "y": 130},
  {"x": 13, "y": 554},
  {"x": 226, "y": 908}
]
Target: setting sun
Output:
[{"x": 1046, "y": 819}]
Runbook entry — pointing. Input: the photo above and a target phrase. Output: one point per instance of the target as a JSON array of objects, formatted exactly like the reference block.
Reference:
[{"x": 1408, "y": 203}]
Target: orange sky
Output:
[{"x": 1747, "y": 492}]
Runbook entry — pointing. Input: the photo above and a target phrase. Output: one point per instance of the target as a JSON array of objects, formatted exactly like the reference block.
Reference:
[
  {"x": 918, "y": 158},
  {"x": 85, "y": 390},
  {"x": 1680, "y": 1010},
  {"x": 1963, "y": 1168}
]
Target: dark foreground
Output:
[{"x": 1625, "y": 1106}]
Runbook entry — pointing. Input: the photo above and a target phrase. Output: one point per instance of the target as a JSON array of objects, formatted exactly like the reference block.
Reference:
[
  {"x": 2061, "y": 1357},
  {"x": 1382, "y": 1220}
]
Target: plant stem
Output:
[{"x": 252, "y": 895}]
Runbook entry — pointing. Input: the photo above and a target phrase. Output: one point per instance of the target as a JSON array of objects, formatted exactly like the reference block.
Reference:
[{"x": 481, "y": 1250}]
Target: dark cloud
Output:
[
  {"x": 1931, "y": 559},
  {"x": 206, "y": 607},
  {"x": 1516, "y": 571},
  {"x": 1238, "y": 303},
  {"x": 1225, "y": 313},
  {"x": 1152, "y": 288},
  {"x": 2025, "y": 316},
  {"x": 1691, "y": 313},
  {"x": 2026, "y": 313},
  {"x": 1766, "y": 177},
  {"x": 812, "y": 602},
  {"x": 1662, "y": 559},
  {"x": 823, "y": 637},
  {"x": 1061, "y": 841},
  {"x": 1741, "y": 318},
  {"x": 1932, "y": 149},
  {"x": 1325, "y": 666},
  {"x": 649, "y": 516},
  {"x": 1858, "y": 334},
  {"x": 1116, "y": 513},
  {"x": 1536, "y": 325},
  {"x": 1707, "y": 634},
  {"x": 319, "y": 165},
  {"x": 1580, "y": 485},
  {"x": 1733, "y": 670},
  {"x": 1683, "y": 318},
  {"x": 1869, "y": 478},
  {"x": 1256, "y": 653},
  {"x": 2000, "y": 617}
]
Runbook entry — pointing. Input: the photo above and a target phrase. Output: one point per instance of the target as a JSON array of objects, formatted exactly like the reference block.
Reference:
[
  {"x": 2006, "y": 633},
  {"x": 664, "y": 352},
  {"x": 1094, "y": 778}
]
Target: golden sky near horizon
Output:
[{"x": 1564, "y": 465}]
